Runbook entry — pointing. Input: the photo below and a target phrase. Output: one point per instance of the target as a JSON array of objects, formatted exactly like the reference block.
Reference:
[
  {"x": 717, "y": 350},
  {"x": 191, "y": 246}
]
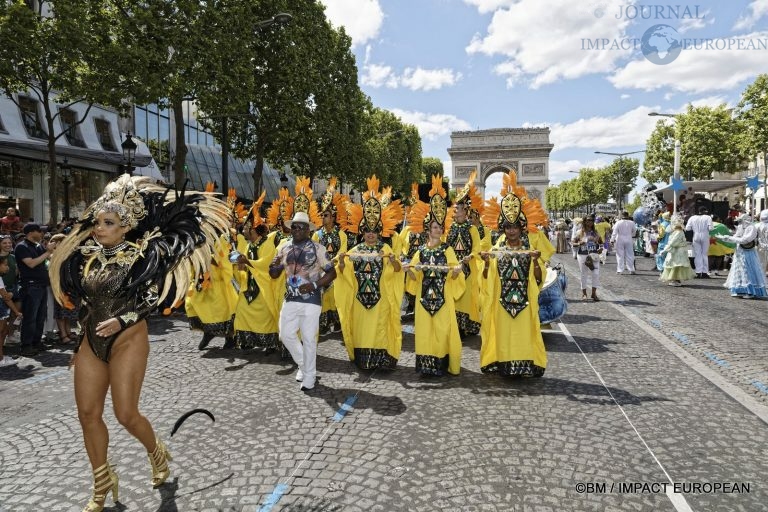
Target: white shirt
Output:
[
  {"x": 701, "y": 225},
  {"x": 624, "y": 229}
]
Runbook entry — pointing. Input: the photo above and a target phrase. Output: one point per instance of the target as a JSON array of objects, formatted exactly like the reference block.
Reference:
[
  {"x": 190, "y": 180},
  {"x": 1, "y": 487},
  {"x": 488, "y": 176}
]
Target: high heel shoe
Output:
[
  {"x": 104, "y": 479},
  {"x": 159, "y": 461}
]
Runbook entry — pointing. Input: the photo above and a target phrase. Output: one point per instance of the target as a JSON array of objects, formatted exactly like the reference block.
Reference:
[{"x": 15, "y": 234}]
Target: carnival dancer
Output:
[
  {"x": 603, "y": 228},
  {"x": 701, "y": 225},
  {"x": 589, "y": 244},
  {"x": 511, "y": 335},
  {"x": 333, "y": 210},
  {"x": 464, "y": 238},
  {"x": 256, "y": 313},
  {"x": 121, "y": 259},
  {"x": 718, "y": 249},
  {"x": 278, "y": 218},
  {"x": 747, "y": 277},
  {"x": 677, "y": 267},
  {"x": 370, "y": 288},
  {"x": 436, "y": 278},
  {"x": 663, "y": 234},
  {"x": 410, "y": 242},
  {"x": 308, "y": 270}
]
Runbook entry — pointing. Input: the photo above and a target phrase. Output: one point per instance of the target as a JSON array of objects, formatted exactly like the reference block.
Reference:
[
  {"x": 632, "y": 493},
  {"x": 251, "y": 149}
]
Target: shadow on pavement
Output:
[{"x": 588, "y": 345}]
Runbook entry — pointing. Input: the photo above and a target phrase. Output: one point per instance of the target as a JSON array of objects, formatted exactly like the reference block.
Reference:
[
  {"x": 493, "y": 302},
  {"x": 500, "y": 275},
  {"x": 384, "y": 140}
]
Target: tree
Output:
[
  {"x": 751, "y": 115},
  {"x": 430, "y": 166},
  {"x": 50, "y": 55},
  {"x": 621, "y": 176},
  {"x": 709, "y": 144}
]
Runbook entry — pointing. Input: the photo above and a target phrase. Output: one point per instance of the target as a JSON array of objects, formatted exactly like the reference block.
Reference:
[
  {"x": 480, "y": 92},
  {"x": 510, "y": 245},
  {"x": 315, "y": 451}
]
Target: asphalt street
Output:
[{"x": 654, "y": 399}]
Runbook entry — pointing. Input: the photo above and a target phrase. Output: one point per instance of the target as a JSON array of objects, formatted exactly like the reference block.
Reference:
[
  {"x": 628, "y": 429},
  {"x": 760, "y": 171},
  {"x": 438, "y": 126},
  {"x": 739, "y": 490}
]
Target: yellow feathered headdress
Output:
[
  {"x": 469, "y": 196},
  {"x": 422, "y": 214},
  {"x": 372, "y": 215},
  {"x": 302, "y": 201},
  {"x": 515, "y": 207},
  {"x": 255, "y": 211},
  {"x": 334, "y": 202},
  {"x": 281, "y": 209}
]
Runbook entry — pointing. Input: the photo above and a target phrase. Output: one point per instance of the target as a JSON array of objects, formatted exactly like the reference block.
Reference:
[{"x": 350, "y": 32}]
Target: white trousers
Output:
[
  {"x": 589, "y": 275},
  {"x": 700, "y": 254},
  {"x": 295, "y": 318},
  {"x": 625, "y": 255}
]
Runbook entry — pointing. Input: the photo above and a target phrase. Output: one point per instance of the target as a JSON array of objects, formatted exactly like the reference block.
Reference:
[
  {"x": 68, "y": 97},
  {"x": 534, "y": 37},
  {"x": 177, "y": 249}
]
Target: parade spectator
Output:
[
  {"x": 624, "y": 232},
  {"x": 700, "y": 225},
  {"x": 6, "y": 307},
  {"x": 677, "y": 267},
  {"x": 114, "y": 350},
  {"x": 33, "y": 285},
  {"x": 65, "y": 317},
  {"x": 307, "y": 270},
  {"x": 11, "y": 224},
  {"x": 589, "y": 244},
  {"x": 11, "y": 277},
  {"x": 747, "y": 277}
]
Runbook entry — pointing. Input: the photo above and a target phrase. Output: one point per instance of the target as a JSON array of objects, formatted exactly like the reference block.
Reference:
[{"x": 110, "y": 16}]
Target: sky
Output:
[{"x": 576, "y": 66}]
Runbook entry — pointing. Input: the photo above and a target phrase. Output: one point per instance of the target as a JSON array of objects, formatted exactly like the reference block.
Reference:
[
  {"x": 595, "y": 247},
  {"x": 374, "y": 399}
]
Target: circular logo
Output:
[{"x": 661, "y": 44}]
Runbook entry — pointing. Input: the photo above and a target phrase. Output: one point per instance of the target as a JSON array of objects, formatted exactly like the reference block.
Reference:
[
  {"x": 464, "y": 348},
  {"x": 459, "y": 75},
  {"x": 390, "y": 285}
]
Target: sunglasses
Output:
[{"x": 299, "y": 227}]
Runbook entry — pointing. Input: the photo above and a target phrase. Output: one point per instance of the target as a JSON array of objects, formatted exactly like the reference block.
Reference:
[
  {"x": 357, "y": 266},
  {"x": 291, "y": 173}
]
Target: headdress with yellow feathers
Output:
[
  {"x": 281, "y": 209},
  {"x": 334, "y": 202},
  {"x": 422, "y": 214},
  {"x": 372, "y": 215},
  {"x": 470, "y": 197},
  {"x": 302, "y": 201},
  {"x": 515, "y": 208}
]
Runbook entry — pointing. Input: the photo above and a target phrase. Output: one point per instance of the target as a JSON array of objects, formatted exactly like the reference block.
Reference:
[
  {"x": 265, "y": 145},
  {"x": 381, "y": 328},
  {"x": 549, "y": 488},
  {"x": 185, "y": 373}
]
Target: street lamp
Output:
[
  {"x": 619, "y": 184},
  {"x": 129, "y": 151},
  {"x": 676, "y": 168},
  {"x": 66, "y": 177},
  {"x": 278, "y": 19}
]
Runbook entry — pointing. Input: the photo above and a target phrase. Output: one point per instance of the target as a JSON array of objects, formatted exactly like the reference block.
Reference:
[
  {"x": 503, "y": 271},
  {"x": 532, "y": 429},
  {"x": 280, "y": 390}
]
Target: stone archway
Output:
[{"x": 524, "y": 150}]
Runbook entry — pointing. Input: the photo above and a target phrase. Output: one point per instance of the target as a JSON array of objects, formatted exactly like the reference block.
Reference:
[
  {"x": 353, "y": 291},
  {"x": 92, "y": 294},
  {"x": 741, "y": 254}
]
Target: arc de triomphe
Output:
[{"x": 524, "y": 150}]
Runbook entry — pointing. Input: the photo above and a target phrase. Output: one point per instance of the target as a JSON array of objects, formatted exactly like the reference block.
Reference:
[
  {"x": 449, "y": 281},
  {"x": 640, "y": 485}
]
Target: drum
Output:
[{"x": 552, "y": 303}]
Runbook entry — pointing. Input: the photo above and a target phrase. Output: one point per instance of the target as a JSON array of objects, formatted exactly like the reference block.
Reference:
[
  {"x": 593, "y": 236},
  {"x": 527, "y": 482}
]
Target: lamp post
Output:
[
  {"x": 619, "y": 183},
  {"x": 129, "y": 151},
  {"x": 676, "y": 168},
  {"x": 66, "y": 177}
]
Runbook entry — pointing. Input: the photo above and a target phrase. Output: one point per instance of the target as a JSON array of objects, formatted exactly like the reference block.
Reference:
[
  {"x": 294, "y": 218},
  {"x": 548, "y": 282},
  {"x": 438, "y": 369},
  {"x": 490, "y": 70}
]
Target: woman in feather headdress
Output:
[
  {"x": 211, "y": 299},
  {"x": 511, "y": 334},
  {"x": 333, "y": 210},
  {"x": 435, "y": 277},
  {"x": 410, "y": 240},
  {"x": 256, "y": 313},
  {"x": 464, "y": 237},
  {"x": 125, "y": 254},
  {"x": 369, "y": 289}
]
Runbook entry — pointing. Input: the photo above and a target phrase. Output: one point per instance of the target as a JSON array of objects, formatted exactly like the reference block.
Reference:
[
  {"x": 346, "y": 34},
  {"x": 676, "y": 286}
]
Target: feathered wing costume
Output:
[{"x": 170, "y": 243}]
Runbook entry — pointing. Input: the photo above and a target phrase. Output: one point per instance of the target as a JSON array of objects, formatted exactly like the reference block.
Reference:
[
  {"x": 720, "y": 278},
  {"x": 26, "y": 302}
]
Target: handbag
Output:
[{"x": 589, "y": 263}]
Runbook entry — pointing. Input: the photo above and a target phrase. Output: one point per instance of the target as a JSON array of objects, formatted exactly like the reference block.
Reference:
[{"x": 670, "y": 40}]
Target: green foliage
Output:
[
  {"x": 430, "y": 166},
  {"x": 751, "y": 115},
  {"x": 709, "y": 144}
]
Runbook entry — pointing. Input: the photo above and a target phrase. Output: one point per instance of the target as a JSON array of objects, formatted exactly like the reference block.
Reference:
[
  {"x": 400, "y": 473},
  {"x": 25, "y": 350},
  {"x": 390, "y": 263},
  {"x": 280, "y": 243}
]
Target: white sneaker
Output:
[
  {"x": 299, "y": 375},
  {"x": 7, "y": 361}
]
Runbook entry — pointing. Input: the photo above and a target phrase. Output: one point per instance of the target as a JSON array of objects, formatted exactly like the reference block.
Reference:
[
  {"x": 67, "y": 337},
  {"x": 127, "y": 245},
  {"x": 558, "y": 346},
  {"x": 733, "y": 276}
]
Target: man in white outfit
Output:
[
  {"x": 701, "y": 225},
  {"x": 623, "y": 232}
]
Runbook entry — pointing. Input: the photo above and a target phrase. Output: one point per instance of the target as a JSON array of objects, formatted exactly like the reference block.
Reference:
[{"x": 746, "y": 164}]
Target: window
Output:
[
  {"x": 104, "y": 132},
  {"x": 69, "y": 127},
  {"x": 31, "y": 118},
  {"x": 2, "y": 128}
]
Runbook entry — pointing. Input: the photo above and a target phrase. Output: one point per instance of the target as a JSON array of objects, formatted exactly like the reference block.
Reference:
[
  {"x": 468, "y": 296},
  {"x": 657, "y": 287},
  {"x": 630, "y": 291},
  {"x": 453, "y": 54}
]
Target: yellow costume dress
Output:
[
  {"x": 368, "y": 295},
  {"x": 211, "y": 301},
  {"x": 334, "y": 241},
  {"x": 256, "y": 314},
  {"x": 465, "y": 240},
  {"x": 438, "y": 344}
]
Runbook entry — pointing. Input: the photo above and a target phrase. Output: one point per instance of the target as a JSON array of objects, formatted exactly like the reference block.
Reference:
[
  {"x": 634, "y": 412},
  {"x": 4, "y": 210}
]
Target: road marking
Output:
[
  {"x": 678, "y": 500},
  {"x": 44, "y": 376},
  {"x": 345, "y": 408},
  {"x": 273, "y": 498}
]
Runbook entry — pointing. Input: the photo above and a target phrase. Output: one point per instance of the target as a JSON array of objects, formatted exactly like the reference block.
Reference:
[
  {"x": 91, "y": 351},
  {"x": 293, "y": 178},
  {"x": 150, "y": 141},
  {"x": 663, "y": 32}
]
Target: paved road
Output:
[{"x": 623, "y": 410}]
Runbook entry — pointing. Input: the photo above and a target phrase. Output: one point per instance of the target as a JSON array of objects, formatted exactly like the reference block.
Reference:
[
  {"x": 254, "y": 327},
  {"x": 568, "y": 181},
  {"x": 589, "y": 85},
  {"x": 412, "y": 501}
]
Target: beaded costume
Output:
[{"x": 170, "y": 243}]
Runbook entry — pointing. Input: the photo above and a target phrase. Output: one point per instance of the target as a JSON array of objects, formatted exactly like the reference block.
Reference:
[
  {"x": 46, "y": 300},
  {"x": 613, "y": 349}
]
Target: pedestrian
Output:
[
  {"x": 589, "y": 244},
  {"x": 700, "y": 225},
  {"x": 120, "y": 259},
  {"x": 512, "y": 344},
  {"x": 677, "y": 267},
  {"x": 747, "y": 276},
  {"x": 11, "y": 277},
  {"x": 6, "y": 307},
  {"x": 307, "y": 270},
  {"x": 623, "y": 235},
  {"x": 11, "y": 224},
  {"x": 370, "y": 287},
  {"x": 31, "y": 259},
  {"x": 436, "y": 278}
]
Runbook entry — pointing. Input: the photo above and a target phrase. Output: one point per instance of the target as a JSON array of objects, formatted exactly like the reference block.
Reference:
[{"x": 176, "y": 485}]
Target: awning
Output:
[{"x": 702, "y": 186}]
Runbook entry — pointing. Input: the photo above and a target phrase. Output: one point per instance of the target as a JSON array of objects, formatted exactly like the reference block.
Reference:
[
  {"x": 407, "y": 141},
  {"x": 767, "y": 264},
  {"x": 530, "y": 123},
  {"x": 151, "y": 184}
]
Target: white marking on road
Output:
[{"x": 678, "y": 500}]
